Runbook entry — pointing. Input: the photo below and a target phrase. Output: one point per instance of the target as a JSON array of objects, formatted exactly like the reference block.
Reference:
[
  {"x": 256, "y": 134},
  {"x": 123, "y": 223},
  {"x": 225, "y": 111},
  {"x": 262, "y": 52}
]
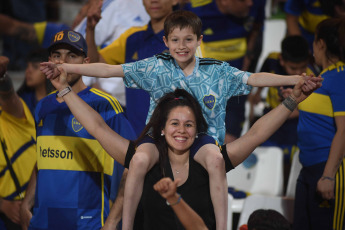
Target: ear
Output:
[
  {"x": 165, "y": 41},
  {"x": 86, "y": 60},
  {"x": 200, "y": 40},
  {"x": 281, "y": 60}
]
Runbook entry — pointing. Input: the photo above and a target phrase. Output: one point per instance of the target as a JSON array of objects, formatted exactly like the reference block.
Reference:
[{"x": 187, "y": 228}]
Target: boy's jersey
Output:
[
  {"x": 135, "y": 44},
  {"x": 74, "y": 171},
  {"x": 18, "y": 140},
  {"x": 316, "y": 127},
  {"x": 225, "y": 36},
  {"x": 309, "y": 14},
  {"x": 212, "y": 83}
]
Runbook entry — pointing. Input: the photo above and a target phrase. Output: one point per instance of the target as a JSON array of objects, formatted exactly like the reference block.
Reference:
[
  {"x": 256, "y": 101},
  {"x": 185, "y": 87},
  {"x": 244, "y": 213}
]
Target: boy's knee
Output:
[
  {"x": 215, "y": 162},
  {"x": 139, "y": 161}
]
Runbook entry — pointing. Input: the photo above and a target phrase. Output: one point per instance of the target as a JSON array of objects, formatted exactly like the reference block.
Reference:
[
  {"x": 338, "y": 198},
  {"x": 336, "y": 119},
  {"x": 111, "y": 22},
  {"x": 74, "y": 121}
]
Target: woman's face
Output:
[
  {"x": 33, "y": 76},
  {"x": 180, "y": 129}
]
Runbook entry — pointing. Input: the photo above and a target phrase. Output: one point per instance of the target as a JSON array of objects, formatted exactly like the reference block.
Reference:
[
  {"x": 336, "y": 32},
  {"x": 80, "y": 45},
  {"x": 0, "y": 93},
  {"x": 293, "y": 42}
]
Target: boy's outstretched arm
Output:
[
  {"x": 113, "y": 143},
  {"x": 240, "y": 149},
  {"x": 188, "y": 217},
  {"x": 101, "y": 70},
  {"x": 270, "y": 79}
]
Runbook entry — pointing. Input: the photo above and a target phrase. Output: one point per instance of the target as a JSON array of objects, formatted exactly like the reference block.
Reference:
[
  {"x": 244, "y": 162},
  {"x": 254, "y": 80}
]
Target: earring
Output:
[
  {"x": 162, "y": 134},
  {"x": 196, "y": 136}
]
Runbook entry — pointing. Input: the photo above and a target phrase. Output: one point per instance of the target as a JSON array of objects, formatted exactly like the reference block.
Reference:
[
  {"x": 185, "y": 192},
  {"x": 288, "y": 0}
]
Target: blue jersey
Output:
[
  {"x": 74, "y": 171},
  {"x": 309, "y": 14},
  {"x": 135, "y": 44},
  {"x": 316, "y": 126},
  {"x": 225, "y": 36},
  {"x": 30, "y": 100},
  {"x": 212, "y": 83}
]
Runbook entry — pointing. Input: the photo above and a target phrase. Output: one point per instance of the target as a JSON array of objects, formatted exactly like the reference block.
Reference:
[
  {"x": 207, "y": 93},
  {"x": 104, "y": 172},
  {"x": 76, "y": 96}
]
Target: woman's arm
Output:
[
  {"x": 113, "y": 143},
  {"x": 101, "y": 70},
  {"x": 325, "y": 185},
  {"x": 240, "y": 149}
]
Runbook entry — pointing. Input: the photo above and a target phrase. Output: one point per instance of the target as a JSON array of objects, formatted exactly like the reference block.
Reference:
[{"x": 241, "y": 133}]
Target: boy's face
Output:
[
  {"x": 159, "y": 9},
  {"x": 33, "y": 76},
  {"x": 182, "y": 45},
  {"x": 294, "y": 68},
  {"x": 64, "y": 55}
]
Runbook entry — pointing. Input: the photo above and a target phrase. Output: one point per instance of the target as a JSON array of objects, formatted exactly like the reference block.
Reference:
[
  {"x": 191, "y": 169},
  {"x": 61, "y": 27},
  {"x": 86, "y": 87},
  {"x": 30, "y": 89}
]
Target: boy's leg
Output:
[
  {"x": 210, "y": 157},
  {"x": 143, "y": 160}
]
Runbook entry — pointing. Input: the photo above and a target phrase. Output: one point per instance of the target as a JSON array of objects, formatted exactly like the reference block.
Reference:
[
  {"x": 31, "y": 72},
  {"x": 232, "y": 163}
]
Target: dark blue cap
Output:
[{"x": 70, "y": 38}]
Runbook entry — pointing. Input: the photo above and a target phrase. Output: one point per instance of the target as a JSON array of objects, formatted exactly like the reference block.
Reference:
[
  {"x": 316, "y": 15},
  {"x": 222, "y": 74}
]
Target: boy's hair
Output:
[
  {"x": 269, "y": 219},
  {"x": 182, "y": 19},
  {"x": 168, "y": 102},
  {"x": 295, "y": 49}
]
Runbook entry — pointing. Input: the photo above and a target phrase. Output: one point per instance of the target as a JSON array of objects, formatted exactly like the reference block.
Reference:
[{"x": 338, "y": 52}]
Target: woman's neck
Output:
[
  {"x": 157, "y": 25},
  {"x": 327, "y": 62}
]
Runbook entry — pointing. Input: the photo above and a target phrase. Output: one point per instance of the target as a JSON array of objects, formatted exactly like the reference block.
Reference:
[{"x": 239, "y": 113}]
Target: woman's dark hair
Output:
[
  {"x": 182, "y": 19},
  {"x": 169, "y": 101},
  {"x": 37, "y": 55},
  {"x": 332, "y": 32}
]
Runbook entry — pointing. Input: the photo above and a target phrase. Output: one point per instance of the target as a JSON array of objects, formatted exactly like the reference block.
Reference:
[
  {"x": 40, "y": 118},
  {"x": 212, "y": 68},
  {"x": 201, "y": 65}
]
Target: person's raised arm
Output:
[
  {"x": 101, "y": 70},
  {"x": 93, "y": 17},
  {"x": 187, "y": 216},
  {"x": 325, "y": 185},
  {"x": 9, "y": 100},
  {"x": 29, "y": 200},
  {"x": 292, "y": 25},
  {"x": 270, "y": 79},
  {"x": 240, "y": 149},
  {"x": 113, "y": 143}
]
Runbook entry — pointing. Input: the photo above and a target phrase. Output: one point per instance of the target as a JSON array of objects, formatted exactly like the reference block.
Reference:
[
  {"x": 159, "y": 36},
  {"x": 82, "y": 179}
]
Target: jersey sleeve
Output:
[
  {"x": 141, "y": 74},
  {"x": 236, "y": 80}
]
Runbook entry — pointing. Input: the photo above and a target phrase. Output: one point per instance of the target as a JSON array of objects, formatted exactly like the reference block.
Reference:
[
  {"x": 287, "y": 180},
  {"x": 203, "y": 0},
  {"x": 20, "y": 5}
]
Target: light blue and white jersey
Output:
[{"x": 212, "y": 83}]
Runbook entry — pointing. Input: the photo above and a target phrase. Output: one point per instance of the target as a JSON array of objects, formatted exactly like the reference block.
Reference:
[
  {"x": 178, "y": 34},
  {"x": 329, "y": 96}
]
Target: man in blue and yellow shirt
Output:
[{"x": 73, "y": 170}]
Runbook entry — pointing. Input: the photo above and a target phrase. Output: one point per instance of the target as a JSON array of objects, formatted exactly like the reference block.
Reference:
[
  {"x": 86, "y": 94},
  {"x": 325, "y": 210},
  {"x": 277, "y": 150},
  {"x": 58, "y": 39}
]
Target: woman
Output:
[
  {"x": 35, "y": 85},
  {"x": 176, "y": 122},
  {"x": 321, "y": 135}
]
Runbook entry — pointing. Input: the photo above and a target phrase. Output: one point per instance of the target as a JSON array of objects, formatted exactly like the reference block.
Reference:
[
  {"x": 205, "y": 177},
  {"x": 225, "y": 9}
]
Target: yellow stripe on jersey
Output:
[
  {"x": 274, "y": 55},
  {"x": 72, "y": 153},
  {"x": 113, "y": 102},
  {"x": 115, "y": 53},
  {"x": 40, "y": 28},
  {"x": 339, "y": 209},
  {"x": 309, "y": 21},
  {"x": 197, "y": 3},
  {"x": 226, "y": 50},
  {"x": 102, "y": 212},
  {"x": 339, "y": 66},
  {"x": 317, "y": 103},
  {"x": 338, "y": 114}
]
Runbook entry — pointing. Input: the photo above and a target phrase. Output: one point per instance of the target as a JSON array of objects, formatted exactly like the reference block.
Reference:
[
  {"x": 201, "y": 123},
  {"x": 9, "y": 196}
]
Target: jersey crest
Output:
[
  {"x": 209, "y": 101},
  {"x": 76, "y": 125}
]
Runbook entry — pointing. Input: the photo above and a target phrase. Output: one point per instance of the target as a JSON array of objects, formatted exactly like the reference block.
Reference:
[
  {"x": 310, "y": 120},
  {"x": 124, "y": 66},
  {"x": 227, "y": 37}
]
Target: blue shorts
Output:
[{"x": 202, "y": 140}]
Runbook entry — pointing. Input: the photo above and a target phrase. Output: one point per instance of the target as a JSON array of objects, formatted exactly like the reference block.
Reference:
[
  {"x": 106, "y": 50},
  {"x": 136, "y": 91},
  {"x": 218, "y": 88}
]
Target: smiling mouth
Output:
[{"x": 180, "y": 138}]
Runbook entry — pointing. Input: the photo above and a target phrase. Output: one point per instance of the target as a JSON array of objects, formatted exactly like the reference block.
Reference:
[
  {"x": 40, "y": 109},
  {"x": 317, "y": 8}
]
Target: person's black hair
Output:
[
  {"x": 38, "y": 55},
  {"x": 328, "y": 6},
  {"x": 169, "y": 101},
  {"x": 332, "y": 32},
  {"x": 269, "y": 219},
  {"x": 295, "y": 49}
]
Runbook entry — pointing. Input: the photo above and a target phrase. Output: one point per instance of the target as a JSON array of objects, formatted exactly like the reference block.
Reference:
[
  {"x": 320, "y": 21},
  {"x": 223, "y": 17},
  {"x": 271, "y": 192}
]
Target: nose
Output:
[{"x": 182, "y": 128}]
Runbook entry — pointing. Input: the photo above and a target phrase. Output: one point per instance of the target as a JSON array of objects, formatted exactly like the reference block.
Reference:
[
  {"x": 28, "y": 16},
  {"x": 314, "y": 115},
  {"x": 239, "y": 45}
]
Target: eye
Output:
[
  {"x": 174, "y": 123},
  {"x": 189, "y": 125}
]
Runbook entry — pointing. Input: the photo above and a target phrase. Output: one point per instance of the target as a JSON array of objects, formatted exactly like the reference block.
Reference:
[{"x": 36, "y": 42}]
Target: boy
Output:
[
  {"x": 293, "y": 59},
  {"x": 210, "y": 81}
]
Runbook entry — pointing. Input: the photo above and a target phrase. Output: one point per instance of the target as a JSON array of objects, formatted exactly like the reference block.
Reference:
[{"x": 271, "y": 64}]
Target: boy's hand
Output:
[
  {"x": 49, "y": 69},
  {"x": 11, "y": 210},
  {"x": 305, "y": 87}
]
